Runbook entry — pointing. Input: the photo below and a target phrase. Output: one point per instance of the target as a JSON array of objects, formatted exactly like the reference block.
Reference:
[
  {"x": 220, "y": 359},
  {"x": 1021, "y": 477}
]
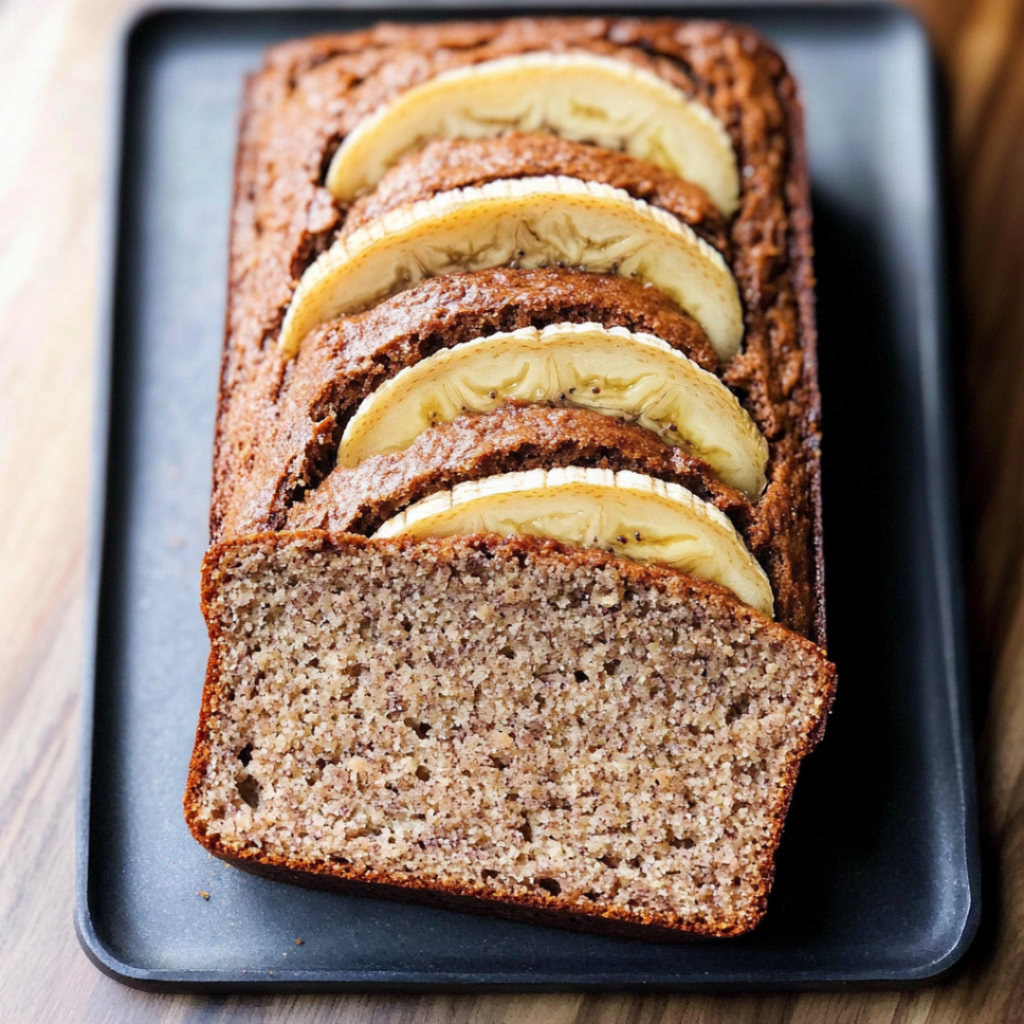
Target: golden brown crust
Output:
[{"x": 509, "y": 553}]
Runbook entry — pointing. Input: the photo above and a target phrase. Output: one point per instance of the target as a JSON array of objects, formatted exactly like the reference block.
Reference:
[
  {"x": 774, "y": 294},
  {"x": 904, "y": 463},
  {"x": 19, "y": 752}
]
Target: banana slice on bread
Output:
[
  {"x": 635, "y": 516},
  {"x": 578, "y": 96},
  {"x": 529, "y": 222},
  {"x": 632, "y": 376}
]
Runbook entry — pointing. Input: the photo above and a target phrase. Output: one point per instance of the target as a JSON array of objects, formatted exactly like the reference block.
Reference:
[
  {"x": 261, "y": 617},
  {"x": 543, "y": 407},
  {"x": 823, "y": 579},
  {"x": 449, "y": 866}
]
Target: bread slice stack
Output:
[{"x": 515, "y": 593}]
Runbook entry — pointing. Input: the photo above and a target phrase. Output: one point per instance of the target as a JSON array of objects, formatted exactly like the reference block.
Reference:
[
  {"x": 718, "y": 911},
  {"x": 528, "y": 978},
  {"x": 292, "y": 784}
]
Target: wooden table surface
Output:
[{"x": 54, "y": 68}]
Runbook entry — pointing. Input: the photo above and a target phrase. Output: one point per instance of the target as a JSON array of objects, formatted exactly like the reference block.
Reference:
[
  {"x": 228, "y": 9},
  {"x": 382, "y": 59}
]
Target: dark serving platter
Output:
[{"x": 878, "y": 871}]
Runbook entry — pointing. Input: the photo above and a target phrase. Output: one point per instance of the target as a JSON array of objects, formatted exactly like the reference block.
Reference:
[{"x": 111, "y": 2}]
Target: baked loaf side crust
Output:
[
  {"x": 312, "y": 93},
  {"x": 423, "y": 673}
]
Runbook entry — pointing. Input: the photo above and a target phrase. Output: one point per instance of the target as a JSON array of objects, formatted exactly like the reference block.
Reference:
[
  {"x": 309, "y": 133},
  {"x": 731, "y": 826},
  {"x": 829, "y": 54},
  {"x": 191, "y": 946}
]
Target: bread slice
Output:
[{"x": 510, "y": 727}]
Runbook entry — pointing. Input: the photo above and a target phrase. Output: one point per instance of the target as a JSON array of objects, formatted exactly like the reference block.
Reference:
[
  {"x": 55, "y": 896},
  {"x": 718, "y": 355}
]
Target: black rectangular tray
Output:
[{"x": 878, "y": 871}]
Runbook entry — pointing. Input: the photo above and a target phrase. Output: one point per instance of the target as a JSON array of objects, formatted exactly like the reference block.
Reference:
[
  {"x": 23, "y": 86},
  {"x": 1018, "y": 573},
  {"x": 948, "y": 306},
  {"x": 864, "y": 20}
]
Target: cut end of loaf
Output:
[{"x": 557, "y": 731}]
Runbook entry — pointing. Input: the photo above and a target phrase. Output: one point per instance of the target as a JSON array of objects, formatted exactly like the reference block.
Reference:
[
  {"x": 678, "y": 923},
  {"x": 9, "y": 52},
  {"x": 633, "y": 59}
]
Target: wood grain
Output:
[{"x": 54, "y": 63}]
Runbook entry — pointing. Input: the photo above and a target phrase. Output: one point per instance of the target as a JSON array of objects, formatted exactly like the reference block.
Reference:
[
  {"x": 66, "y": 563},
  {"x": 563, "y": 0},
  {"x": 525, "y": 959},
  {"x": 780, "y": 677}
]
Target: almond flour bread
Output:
[{"x": 516, "y": 463}]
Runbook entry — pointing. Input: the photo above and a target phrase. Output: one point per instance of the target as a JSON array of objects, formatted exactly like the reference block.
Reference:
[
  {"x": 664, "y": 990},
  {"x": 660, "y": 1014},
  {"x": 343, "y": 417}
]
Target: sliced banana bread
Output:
[{"x": 559, "y": 703}]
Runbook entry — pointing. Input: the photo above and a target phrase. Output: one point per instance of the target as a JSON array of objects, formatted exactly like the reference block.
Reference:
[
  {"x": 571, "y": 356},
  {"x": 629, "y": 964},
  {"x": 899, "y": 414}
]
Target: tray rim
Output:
[{"x": 942, "y": 514}]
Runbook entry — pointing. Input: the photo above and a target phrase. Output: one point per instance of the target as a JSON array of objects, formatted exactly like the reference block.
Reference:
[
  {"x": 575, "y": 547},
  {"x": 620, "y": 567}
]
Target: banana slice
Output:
[
  {"x": 626, "y": 513},
  {"x": 528, "y": 222},
  {"x": 632, "y": 376},
  {"x": 579, "y": 96}
]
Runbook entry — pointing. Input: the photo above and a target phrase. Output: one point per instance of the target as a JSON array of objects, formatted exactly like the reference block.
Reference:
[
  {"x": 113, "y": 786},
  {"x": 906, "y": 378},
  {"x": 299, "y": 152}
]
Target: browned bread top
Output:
[{"x": 312, "y": 93}]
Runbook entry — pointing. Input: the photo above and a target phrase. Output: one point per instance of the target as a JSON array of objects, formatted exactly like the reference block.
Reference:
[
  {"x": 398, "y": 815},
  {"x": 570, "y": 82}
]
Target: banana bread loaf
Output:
[{"x": 524, "y": 661}]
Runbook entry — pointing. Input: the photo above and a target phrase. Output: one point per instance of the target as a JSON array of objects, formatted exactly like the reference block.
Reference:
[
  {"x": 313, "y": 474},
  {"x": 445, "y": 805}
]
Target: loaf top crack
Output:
[{"x": 273, "y": 449}]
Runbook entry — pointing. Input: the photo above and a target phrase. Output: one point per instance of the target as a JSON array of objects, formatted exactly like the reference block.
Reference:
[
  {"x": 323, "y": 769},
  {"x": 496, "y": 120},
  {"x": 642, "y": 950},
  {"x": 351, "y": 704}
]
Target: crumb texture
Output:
[{"x": 518, "y": 721}]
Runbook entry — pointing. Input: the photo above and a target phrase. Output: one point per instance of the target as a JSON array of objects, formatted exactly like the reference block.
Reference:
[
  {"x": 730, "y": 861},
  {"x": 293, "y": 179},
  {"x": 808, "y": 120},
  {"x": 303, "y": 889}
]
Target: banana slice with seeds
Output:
[
  {"x": 636, "y": 377},
  {"x": 529, "y": 222},
  {"x": 635, "y": 516},
  {"x": 579, "y": 96}
]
